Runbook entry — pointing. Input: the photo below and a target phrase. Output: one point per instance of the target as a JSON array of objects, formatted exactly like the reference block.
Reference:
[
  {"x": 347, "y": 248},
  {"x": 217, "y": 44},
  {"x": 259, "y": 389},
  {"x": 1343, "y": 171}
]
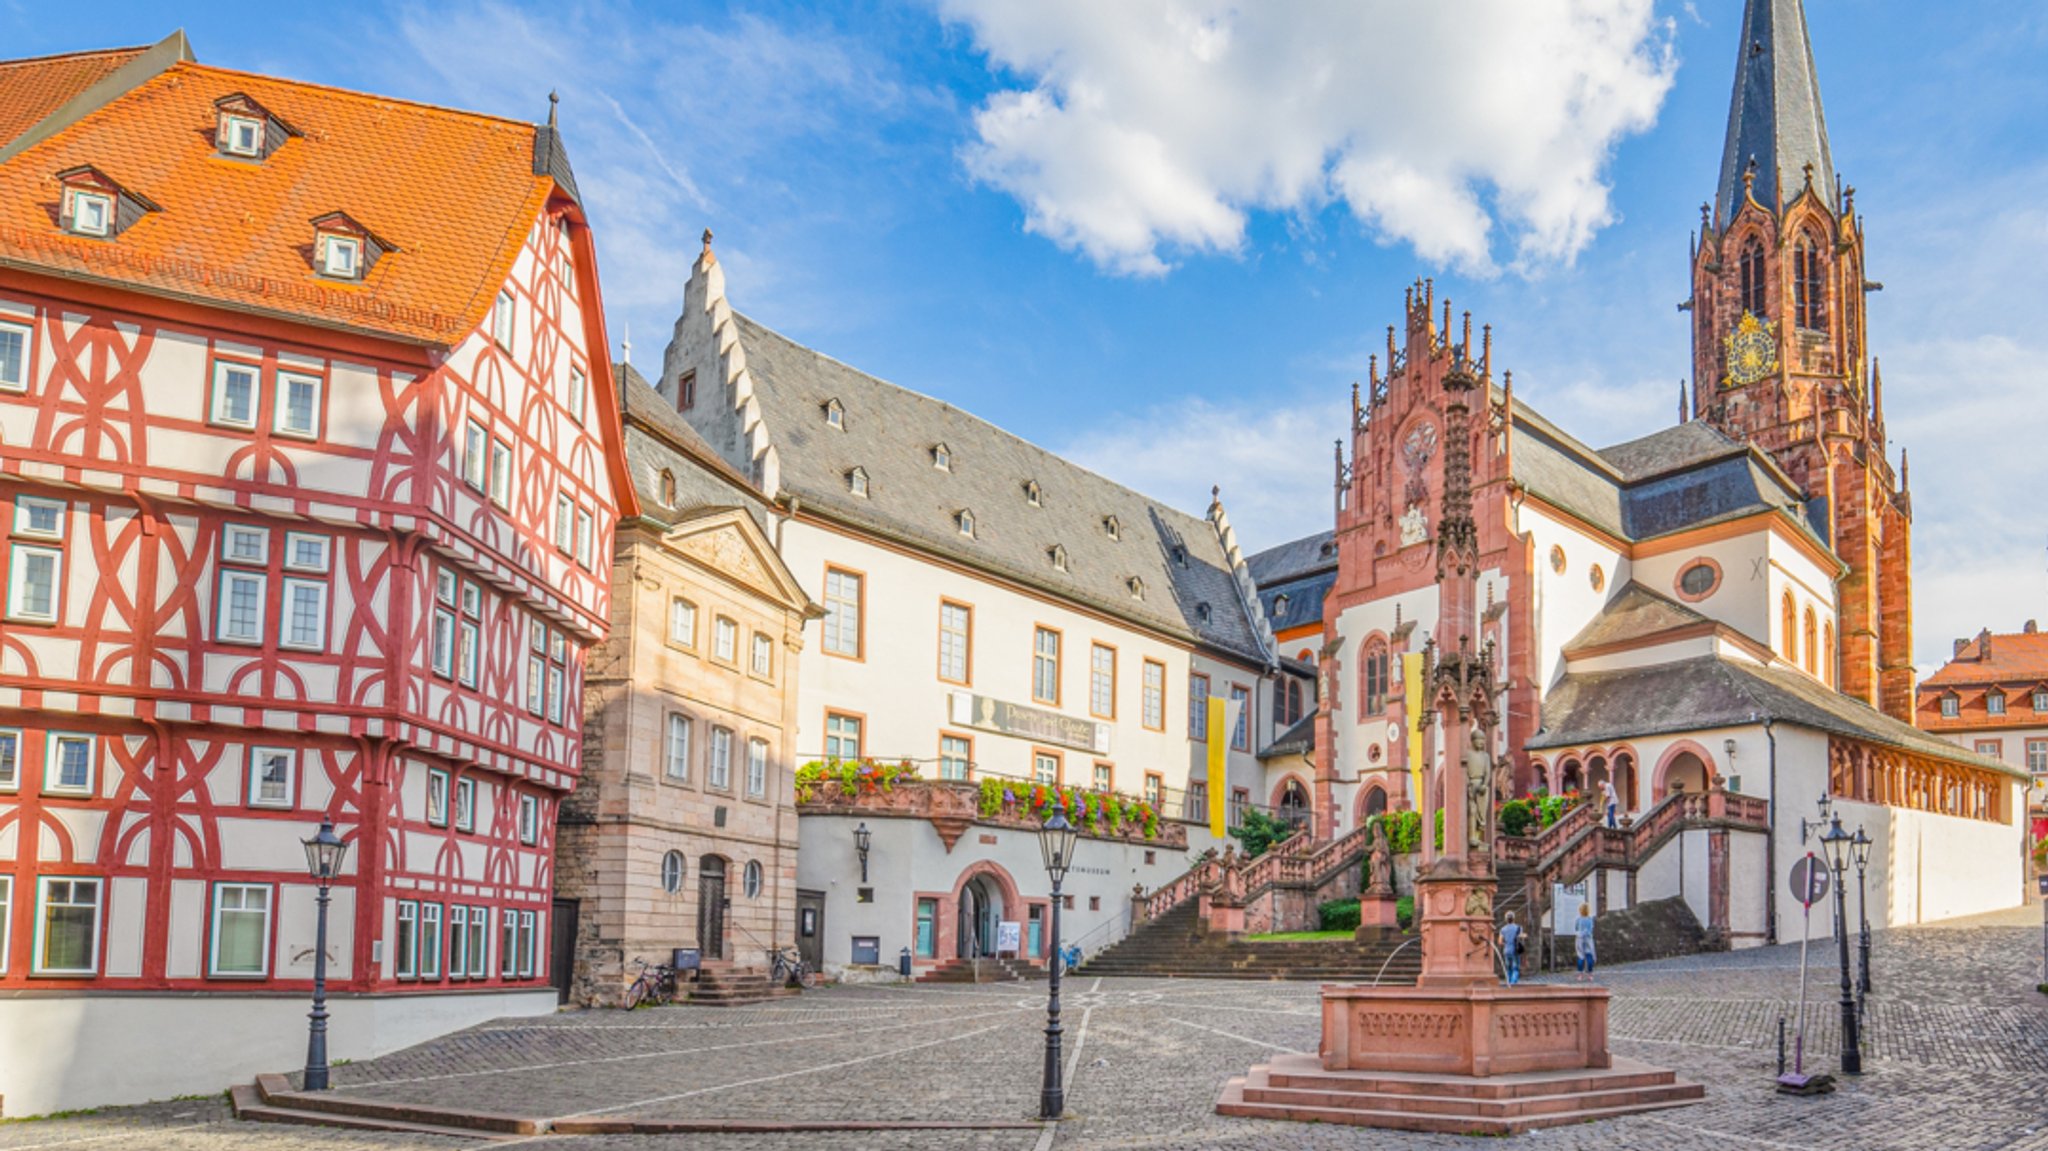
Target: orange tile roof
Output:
[
  {"x": 454, "y": 191},
  {"x": 32, "y": 89},
  {"x": 2017, "y": 656}
]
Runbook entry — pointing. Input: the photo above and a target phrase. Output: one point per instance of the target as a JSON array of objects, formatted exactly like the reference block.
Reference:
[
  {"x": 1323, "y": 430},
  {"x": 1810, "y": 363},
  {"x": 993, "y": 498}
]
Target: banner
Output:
[
  {"x": 1411, "y": 696},
  {"x": 1219, "y": 750}
]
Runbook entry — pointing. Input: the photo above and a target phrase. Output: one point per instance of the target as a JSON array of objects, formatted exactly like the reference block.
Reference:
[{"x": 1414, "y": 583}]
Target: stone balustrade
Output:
[{"x": 954, "y": 805}]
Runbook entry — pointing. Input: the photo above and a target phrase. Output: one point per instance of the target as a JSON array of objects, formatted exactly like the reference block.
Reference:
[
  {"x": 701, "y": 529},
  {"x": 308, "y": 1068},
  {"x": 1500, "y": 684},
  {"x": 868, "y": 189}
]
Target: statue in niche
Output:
[
  {"x": 1478, "y": 783},
  {"x": 1414, "y": 525}
]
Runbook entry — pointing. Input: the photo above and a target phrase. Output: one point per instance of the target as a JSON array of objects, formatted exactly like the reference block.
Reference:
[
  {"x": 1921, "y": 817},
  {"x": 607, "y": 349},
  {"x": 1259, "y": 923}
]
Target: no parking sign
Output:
[{"x": 1809, "y": 880}]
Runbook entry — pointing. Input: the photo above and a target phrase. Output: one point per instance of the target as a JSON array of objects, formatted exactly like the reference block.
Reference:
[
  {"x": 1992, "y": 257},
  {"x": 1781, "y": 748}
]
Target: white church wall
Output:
[{"x": 1566, "y": 601}]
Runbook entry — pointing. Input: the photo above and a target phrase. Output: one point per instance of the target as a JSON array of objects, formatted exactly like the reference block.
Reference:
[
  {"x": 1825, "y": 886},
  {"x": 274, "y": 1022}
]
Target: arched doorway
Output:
[
  {"x": 1685, "y": 772},
  {"x": 1625, "y": 780},
  {"x": 980, "y": 910},
  {"x": 711, "y": 906},
  {"x": 1375, "y": 803},
  {"x": 1292, "y": 804},
  {"x": 1571, "y": 777}
]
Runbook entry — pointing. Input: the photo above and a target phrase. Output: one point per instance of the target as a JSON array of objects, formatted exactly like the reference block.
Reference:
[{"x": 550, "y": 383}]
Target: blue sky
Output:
[{"x": 944, "y": 194}]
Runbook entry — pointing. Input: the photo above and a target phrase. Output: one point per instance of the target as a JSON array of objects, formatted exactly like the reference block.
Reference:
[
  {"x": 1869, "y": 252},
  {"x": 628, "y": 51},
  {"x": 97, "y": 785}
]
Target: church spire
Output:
[{"x": 1774, "y": 118}]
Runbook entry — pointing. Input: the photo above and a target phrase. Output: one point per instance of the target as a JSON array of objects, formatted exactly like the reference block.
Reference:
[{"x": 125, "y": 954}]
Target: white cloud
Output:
[{"x": 1154, "y": 127}]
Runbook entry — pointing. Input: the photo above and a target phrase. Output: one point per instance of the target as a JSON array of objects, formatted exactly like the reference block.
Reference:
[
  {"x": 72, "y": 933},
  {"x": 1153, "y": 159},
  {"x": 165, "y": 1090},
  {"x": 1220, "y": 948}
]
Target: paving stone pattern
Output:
[{"x": 1956, "y": 1055}]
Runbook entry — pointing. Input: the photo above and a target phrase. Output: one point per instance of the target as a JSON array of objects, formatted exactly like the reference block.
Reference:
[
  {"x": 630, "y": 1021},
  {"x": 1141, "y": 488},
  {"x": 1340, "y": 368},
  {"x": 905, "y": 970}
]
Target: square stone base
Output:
[{"x": 1476, "y": 1030}]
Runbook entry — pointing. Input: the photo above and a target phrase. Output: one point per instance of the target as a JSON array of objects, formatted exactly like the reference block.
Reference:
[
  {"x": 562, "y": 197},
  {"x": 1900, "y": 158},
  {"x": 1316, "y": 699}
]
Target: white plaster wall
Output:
[
  {"x": 1742, "y": 598},
  {"x": 58, "y": 1053},
  {"x": 1565, "y": 602},
  {"x": 907, "y": 857}
]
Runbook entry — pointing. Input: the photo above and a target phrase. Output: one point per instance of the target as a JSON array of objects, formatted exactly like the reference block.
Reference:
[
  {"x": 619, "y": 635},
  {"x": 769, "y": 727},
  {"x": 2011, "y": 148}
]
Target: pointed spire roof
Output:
[{"x": 1774, "y": 117}]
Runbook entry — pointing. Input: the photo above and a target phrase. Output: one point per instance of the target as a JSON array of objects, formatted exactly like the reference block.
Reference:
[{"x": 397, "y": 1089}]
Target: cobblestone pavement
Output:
[{"x": 1956, "y": 1056}]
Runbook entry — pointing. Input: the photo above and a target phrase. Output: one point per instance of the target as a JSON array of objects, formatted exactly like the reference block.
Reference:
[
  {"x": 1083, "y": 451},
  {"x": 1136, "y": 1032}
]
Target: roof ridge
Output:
[
  {"x": 989, "y": 424},
  {"x": 82, "y": 55},
  {"x": 368, "y": 97}
]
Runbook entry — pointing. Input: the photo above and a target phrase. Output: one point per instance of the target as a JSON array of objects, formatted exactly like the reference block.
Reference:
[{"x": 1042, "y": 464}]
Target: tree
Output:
[{"x": 1259, "y": 832}]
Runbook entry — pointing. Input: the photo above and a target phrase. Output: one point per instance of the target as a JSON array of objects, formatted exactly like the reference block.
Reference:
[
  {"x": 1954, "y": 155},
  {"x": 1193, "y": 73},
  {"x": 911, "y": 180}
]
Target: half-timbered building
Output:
[{"x": 310, "y": 471}]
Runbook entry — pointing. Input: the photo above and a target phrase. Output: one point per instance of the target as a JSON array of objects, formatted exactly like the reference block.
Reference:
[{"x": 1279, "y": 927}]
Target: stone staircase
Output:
[
  {"x": 1296, "y": 1086},
  {"x": 983, "y": 970},
  {"x": 272, "y": 1099},
  {"x": 1173, "y": 946},
  {"x": 723, "y": 985}
]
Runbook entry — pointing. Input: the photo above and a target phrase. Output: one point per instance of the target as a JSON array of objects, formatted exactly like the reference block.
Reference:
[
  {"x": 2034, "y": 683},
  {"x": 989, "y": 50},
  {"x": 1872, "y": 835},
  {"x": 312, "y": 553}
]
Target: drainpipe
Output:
[{"x": 1771, "y": 844}]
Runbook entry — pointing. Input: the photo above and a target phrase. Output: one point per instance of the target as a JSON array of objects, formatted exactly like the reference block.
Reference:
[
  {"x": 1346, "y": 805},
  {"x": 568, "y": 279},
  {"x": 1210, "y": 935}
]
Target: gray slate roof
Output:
[
  {"x": 1294, "y": 559},
  {"x": 1709, "y": 692},
  {"x": 1774, "y": 115},
  {"x": 890, "y": 432},
  {"x": 1303, "y": 602},
  {"x": 1298, "y": 739},
  {"x": 659, "y": 439},
  {"x": 1635, "y": 612}
]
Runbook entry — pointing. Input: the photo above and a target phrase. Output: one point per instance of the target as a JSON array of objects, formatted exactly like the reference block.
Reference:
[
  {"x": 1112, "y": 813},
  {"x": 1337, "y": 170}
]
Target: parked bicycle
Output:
[
  {"x": 787, "y": 966},
  {"x": 655, "y": 984}
]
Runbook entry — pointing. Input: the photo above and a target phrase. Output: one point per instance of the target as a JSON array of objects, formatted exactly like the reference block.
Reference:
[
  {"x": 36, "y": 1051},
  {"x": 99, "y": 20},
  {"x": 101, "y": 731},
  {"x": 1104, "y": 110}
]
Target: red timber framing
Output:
[{"x": 249, "y": 582}]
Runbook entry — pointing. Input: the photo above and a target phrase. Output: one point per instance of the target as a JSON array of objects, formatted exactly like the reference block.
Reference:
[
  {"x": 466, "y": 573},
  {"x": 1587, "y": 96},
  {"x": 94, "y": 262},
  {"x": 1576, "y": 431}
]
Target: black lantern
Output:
[
  {"x": 1056, "y": 842},
  {"x": 862, "y": 840},
  {"x": 1838, "y": 843},
  {"x": 1860, "y": 848},
  {"x": 324, "y": 855}
]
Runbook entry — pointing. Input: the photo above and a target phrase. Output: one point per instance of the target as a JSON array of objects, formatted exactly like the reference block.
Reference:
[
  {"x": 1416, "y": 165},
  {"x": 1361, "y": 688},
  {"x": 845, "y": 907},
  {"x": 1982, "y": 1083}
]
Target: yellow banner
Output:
[
  {"x": 1411, "y": 692},
  {"x": 1219, "y": 750}
]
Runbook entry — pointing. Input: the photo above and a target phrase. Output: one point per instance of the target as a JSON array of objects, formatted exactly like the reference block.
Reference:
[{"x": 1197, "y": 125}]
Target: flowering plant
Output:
[{"x": 853, "y": 777}]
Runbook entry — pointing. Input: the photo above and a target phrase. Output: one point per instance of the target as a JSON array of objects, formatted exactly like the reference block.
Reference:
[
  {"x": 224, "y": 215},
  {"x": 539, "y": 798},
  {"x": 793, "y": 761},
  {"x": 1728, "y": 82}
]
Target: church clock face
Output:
[{"x": 1752, "y": 351}]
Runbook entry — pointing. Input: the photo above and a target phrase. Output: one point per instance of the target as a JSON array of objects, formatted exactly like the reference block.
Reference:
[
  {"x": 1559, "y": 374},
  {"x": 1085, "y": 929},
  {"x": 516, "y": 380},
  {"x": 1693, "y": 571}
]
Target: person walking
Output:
[
  {"x": 1582, "y": 933},
  {"x": 1613, "y": 801},
  {"x": 1511, "y": 949}
]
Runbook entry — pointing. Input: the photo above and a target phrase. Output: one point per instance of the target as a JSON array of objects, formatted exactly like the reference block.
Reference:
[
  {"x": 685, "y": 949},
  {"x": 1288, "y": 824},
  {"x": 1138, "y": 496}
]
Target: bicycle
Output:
[
  {"x": 656, "y": 984},
  {"x": 787, "y": 966}
]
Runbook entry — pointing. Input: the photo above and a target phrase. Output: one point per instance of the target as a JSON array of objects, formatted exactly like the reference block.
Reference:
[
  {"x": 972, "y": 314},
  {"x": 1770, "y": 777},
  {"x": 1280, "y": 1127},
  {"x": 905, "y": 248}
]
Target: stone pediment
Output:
[{"x": 731, "y": 544}]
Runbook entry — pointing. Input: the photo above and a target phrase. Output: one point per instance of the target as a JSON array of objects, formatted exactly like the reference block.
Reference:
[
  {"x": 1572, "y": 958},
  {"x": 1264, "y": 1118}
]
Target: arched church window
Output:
[
  {"x": 1809, "y": 287},
  {"x": 1827, "y": 654},
  {"x": 1789, "y": 636},
  {"x": 1812, "y": 644},
  {"x": 1375, "y": 673},
  {"x": 1753, "y": 277}
]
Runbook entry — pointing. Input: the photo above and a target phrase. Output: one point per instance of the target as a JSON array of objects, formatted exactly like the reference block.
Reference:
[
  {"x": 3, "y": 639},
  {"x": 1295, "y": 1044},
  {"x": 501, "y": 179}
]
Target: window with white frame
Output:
[
  {"x": 67, "y": 926},
  {"x": 68, "y": 764},
  {"x": 479, "y": 942},
  {"x": 273, "y": 775},
  {"x": 558, "y": 675},
  {"x": 469, "y": 654},
  {"x": 234, "y": 394},
  {"x": 15, "y": 341},
  {"x": 1045, "y": 768},
  {"x": 241, "y": 135},
  {"x": 725, "y": 640},
  {"x": 956, "y": 757},
  {"x": 241, "y": 930},
  {"x": 1102, "y": 681},
  {"x": 1240, "y": 735},
  {"x": 1949, "y": 707},
  {"x": 341, "y": 256},
  {"x": 458, "y": 941},
  {"x": 956, "y": 641},
  {"x": 672, "y": 867},
  {"x": 39, "y": 517},
  {"x": 508, "y": 943},
  {"x": 763, "y": 659},
  {"x": 430, "y": 941},
  {"x": 1994, "y": 703},
  {"x": 842, "y": 612},
  {"x": 529, "y": 819},
  {"x": 34, "y": 575},
  {"x": 305, "y": 614},
  {"x": 1198, "y": 707},
  {"x": 405, "y": 947},
  {"x": 92, "y": 213},
  {"x": 1045, "y": 666},
  {"x": 682, "y": 622},
  {"x": 842, "y": 737},
  {"x": 757, "y": 768},
  {"x": 501, "y": 473},
  {"x": 239, "y": 615},
  {"x": 1155, "y": 696},
  {"x": 720, "y": 773},
  {"x": 750, "y": 879},
  {"x": 298, "y": 405},
  {"x": 585, "y": 536},
  {"x": 579, "y": 388},
  {"x": 536, "y": 667},
  {"x": 6, "y": 919},
  {"x": 1105, "y": 776},
  {"x": 465, "y": 804},
  {"x": 676, "y": 759},
  {"x": 437, "y": 797},
  {"x": 565, "y": 523},
  {"x": 2040, "y": 700},
  {"x": 306, "y": 552},
  {"x": 244, "y": 544},
  {"x": 442, "y": 643},
  {"x": 502, "y": 320},
  {"x": 476, "y": 455},
  {"x": 10, "y": 759},
  {"x": 2037, "y": 757},
  {"x": 529, "y": 938}
]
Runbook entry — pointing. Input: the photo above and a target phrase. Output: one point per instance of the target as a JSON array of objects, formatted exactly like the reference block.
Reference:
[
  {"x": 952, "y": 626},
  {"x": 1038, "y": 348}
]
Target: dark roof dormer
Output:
[
  {"x": 246, "y": 130},
  {"x": 93, "y": 204},
  {"x": 345, "y": 250}
]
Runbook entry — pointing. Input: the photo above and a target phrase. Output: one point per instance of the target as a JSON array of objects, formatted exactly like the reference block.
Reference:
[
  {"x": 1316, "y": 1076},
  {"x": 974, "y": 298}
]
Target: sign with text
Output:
[
  {"x": 1009, "y": 937},
  {"x": 1032, "y": 723},
  {"x": 1809, "y": 880}
]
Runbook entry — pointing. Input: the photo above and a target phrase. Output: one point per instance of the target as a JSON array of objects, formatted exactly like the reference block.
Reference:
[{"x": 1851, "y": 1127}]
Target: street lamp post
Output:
[
  {"x": 1836, "y": 842},
  {"x": 324, "y": 853},
  {"x": 1056, "y": 841},
  {"x": 1860, "y": 848},
  {"x": 862, "y": 839}
]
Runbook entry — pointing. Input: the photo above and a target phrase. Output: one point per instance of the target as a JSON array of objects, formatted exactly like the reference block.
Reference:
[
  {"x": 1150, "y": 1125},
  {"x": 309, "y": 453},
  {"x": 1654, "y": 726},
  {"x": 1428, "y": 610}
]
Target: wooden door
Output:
[{"x": 711, "y": 907}]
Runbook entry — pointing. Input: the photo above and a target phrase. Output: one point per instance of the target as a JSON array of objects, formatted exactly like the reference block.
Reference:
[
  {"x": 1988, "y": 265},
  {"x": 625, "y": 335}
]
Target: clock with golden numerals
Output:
[{"x": 1752, "y": 351}]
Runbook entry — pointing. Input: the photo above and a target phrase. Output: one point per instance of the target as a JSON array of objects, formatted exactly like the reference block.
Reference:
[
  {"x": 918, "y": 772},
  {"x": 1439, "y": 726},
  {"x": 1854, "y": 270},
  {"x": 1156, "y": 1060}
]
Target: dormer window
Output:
[
  {"x": 1111, "y": 528},
  {"x": 1033, "y": 494},
  {"x": 1202, "y": 612},
  {"x": 246, "y": 130},
  {"x": 1949, "y": 706},
  {"x": 942, "y": 458},
  {"x": 345, "y": 250},
  {"x": 241, "y": 136},
  {"x": 1994, "y": 703},
  {"x": 1058, "y": 556},
  {"x": 1280, "y": 605},
  {"x": 1137, "y": 587},
  {"x": 835, "y": 414},
  {"x": 1180, "y": 555},
  {"x": 964, "y": 520},
  {"x": 857, "y": 482},
  {"x": 92, "y": 204}
]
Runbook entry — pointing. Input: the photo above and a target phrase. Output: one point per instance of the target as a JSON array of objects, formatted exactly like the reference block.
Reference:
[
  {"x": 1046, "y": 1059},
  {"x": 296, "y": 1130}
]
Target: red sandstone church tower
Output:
[{"x": 1779, "y": 350}]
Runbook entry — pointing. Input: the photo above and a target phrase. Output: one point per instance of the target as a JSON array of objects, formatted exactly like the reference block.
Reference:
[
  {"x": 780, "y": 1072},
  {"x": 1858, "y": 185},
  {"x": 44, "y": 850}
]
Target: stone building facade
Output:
[{"x": 683, "y": 832}]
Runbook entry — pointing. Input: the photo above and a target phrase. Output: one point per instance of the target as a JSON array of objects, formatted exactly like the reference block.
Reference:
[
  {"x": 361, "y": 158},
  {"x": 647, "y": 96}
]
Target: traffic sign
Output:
[{"x": 1809, "y": 880}]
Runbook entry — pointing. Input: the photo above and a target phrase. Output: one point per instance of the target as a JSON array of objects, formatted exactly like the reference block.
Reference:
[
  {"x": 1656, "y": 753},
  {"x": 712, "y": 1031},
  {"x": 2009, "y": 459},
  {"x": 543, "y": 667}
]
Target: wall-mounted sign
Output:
[
  {"x": 867, "y": 949},
  {"x": 1009, "y": 937},
  {"x": 1032, "y": 723}
]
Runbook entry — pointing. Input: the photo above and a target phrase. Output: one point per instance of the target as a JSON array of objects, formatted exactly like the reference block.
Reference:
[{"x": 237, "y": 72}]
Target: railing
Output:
[
  {"x": 958, "y": 803},
  {"x": 1294, "y": 862},
  {"x": 1591, "y": 845}
]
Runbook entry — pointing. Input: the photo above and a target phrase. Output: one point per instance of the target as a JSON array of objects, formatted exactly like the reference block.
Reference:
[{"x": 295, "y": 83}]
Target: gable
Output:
[{"x": 729, "y": 543}]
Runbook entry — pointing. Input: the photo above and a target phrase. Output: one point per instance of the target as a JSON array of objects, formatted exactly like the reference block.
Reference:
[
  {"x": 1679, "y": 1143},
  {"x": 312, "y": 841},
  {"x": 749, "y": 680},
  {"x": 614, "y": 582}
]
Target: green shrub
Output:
[
  {"x": 1339, "y": 915},
  {"x": 1404, "y": 831},
  {"x": 1404, "y": 911},
  {"x": 1439, "y": 829},
  {"x": 1259, "y": 832},
  {"x": 1515, "y": 817}
]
